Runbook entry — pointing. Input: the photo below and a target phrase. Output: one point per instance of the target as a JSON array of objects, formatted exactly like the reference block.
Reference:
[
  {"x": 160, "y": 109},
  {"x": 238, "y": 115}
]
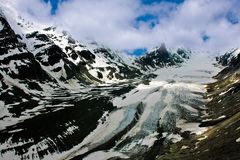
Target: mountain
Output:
[
  {"x": 65, "y": 60},
  {"x": 65, "y": 99},
  {"x": 36, "y": 60},
  {"x": 221, "y": 141},
  {"x": 228, "y": 58},
  {"x": 162, "y": 57}
]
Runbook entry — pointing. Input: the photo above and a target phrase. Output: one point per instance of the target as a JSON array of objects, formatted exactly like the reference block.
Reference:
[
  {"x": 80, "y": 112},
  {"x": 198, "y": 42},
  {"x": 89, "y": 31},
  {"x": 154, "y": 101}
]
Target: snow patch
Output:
[
  {"x": 221, "y": 117},
  {"x": 202, "y": 138},
  {"x": 1, "y": 26},
  {"x": 113, "y": 124},
  {"x": 149, "y": 140},
  {"x": 103, "y": 155},
  {"x": 236, "y": 52},
  {"x": 184, "y": 147},
  {"x": 190, "y": 126},
  {"x": 174, "y": 137}
]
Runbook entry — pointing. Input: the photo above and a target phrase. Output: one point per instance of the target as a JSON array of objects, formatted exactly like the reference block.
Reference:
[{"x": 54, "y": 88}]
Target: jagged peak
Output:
[
  {"x": 226, "y": 58},
  {"x": 163, "y": 47}
]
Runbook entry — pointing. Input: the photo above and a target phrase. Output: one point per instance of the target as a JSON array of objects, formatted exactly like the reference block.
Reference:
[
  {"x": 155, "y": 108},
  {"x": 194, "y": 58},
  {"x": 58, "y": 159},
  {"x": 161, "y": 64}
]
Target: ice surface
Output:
[
  {"x": 1, "y": 26},
  {"x": 103, "y": 155},
  {"x": 198, "y": 69}
]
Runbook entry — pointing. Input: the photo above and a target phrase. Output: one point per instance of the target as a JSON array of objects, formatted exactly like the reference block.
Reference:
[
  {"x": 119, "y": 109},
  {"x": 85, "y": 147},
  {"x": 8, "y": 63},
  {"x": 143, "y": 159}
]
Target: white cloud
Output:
[
  {"x": 33, "y": 10},
  {"x": 112, "y": 22}
]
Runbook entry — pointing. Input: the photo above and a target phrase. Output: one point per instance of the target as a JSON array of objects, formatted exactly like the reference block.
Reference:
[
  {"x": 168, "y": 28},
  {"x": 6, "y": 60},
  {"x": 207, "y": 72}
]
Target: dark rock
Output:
[{"x": 100, "y": 76}]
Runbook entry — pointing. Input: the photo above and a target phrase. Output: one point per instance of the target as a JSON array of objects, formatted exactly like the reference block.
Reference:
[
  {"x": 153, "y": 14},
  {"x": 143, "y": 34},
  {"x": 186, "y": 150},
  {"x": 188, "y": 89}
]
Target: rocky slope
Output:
[
  {"x": 160, "y": 57},
  {"x": 52, "y": 84},
  {"x": 222, "y": 139}
]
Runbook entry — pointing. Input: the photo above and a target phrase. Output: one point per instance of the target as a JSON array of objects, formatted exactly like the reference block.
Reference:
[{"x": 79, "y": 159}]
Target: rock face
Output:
[
  {"x": 52, "y": 58},
  {"x": 162, "y": 57},
  {"x": 231, "y": 61}
]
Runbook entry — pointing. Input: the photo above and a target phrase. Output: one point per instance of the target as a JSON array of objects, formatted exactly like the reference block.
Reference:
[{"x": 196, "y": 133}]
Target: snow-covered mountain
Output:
[
  {"x": 228, "y": 57},
  {"x": 163, "y": 57},
  {"x": 61, "y": 98},
  {"x": 70, "y": 63},
  {"x": 222, "y": 140}
]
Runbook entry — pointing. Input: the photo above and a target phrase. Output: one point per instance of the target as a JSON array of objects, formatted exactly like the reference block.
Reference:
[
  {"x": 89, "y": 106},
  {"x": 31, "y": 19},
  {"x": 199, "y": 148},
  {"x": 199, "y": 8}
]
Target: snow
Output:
[
  {"x": 11, "y": 52},
  {"x": 188, "y": 107},
  {"x": 103, "y": 155},
  {"x": 14, "y": 82},
  {"x": 3, "y": 112},
  {"x": 71, "y": 129},
  {"x": 173, "y": 90},
  {"x": 13, "y": 17},
  {"x": 233, "y": 53},
  {"x": 198, "y": 69},
  {"x": 127, "y": 59},
  {"x": 104, "y": 130},
  {"x": 149, "y": 140},
  {"x": 159, "y": 99},
  {"x": 8, "y": 119},
  {"x": 184, "y": 147},
  {"x": 202, "y": 138},
  {"x": 105, "y": 74},
  {"x": 190, "y": 126},
  {"x": 141, "y": 92},
  {"x": 100, "y": 62},
  {"x": 236, "y": 52},
  {"x": 114, "y": 124},
  {"x": 1, "y": 26},
  {"x": 221, "y": 117},
  {"x": 222, "y": 93},
  {"x": 172, "y": 86},
  {"x": 59, "y": 38},
  {"x": 174, "y": 137}
]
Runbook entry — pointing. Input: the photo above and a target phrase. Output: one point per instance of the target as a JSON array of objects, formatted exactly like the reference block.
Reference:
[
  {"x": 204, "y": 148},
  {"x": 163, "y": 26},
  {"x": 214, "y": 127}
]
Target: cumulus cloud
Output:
[
  {"x": 32, "y": 10},
  {"x": 204, "y": 25}
]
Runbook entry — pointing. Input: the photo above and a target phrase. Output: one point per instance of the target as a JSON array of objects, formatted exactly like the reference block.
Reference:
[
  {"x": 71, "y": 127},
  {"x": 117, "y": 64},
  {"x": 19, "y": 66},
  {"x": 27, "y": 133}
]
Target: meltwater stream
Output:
[{"x": 103, "y": 122}]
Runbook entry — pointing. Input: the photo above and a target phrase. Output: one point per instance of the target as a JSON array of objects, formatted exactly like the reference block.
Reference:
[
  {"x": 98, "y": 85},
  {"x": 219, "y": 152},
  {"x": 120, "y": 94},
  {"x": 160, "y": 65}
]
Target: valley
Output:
[{"x": 65, "y": 99}]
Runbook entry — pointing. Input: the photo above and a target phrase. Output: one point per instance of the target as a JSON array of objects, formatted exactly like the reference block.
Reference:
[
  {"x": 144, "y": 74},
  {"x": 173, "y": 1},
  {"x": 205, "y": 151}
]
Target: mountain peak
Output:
[{"x": 162, "y": 48}]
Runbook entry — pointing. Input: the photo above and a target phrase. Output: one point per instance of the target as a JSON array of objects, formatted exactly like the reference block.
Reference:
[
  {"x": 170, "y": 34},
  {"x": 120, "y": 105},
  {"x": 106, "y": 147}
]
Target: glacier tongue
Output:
[
  {"x": 172, "y": 102},
  {"x": 199, "y": 69}
]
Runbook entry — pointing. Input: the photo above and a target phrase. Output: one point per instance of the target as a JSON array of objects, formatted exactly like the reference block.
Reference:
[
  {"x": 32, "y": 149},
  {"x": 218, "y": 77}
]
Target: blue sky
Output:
[
  {"x": 151, "y": 19},
  {"x": 54, "y": 3},
  {"x": 158, "y": 1},
  {"x": 136, "y": 26}
]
